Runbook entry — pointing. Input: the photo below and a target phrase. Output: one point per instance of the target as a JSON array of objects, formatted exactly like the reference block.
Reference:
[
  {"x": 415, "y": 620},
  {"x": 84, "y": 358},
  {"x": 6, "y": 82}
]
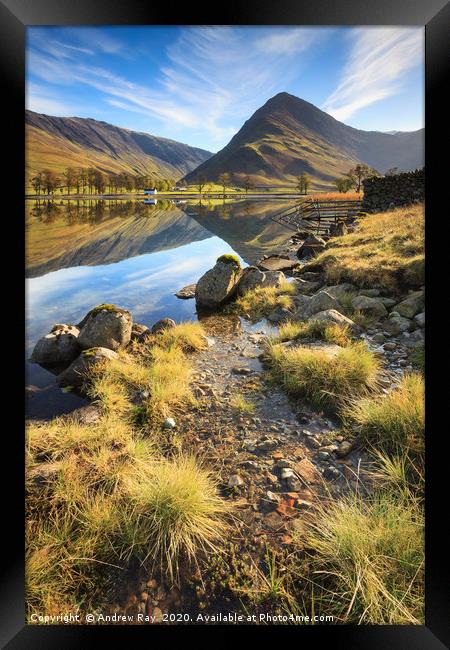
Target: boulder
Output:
[
  {"x": 312, "y": 246},
  {"x": 252, "y": 277},
  {"x": 277, "y": 263},
  {"x": 339, "y": 290},
  {"x": 279, "y": 314},
  {"x": 59, "y": 346},
  {"x": 137, "y": 330},
  {"x": 370, "y": 306},
  {"x": 306, "y": 286},
  {"x": 419, "y": 319},
  {"x": 106, "y": 326},
  {"x": 186, "y": 292},
  {"x": 74, "y": 375},
  {"x": 412, "y": 305},
  {"x": 163, "y": 324},
  {"x": 396, "y": 324},
  {"x": 334, "y": 316},
  {"x": 218, "y": 285},
  {"x": 320, "y": 301}
]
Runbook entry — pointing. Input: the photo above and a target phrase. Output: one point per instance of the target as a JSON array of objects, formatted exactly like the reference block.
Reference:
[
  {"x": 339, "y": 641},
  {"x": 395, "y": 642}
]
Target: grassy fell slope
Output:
[{"x": 58, "y": 142}]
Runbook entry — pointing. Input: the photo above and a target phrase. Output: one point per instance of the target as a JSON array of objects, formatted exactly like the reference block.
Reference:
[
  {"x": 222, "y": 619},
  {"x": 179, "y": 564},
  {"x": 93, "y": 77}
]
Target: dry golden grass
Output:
[
  {"x": 368, "y": 558},
  {"x": 336, "y": 196},
  {"x": 325, "y": 380},
  {"x": 259, "y": 302},
  {"x": 394, "y": 422},
  {"x": 331, "y": 333},
  {"x": 387, "y": 249}
]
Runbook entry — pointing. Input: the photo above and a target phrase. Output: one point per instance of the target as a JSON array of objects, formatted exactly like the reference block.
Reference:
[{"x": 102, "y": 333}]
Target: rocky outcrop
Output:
[
  {"x": 137, "y": 331},
  {"x": 219, "y": 284},
  {"x": 106, "y": 326},
  {"x": 75, "y": 374},
  {"x": 312, "y": 246},
  {"x": 58, "y": 346}
]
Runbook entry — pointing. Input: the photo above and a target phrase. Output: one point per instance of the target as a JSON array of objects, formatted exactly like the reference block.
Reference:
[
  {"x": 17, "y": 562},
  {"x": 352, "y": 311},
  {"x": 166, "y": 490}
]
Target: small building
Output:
[{"x": 151, "y": 190}]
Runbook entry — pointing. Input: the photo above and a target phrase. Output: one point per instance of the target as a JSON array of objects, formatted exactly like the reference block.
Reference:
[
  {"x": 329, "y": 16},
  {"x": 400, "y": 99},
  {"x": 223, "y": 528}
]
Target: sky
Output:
[{"x": 198, "y": 85}]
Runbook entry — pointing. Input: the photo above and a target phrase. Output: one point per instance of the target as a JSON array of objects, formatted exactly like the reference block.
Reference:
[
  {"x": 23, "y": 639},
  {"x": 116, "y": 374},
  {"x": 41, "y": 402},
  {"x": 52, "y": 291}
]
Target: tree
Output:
[
  {"x": 304, "y": 181},
  {"x": 200, "y": 182},
  {"x": 224, "y": 180},
  {"x": 50, "y": 181},
  {"x": 343, "y": 184},
  {"x": 392, "y": 171},
  {"x": 247, "y": 184},
  {"x": 70, "y": 176},
  {"x": 359, "y": 173},
  {"x": 37, "y": 183}
]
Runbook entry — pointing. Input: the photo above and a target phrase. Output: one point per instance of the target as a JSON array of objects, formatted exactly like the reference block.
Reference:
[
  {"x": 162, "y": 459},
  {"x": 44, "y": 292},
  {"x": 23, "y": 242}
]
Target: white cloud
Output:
[
  {"x": 378, "y": 62},
  {"x": 215, "y": 77}
]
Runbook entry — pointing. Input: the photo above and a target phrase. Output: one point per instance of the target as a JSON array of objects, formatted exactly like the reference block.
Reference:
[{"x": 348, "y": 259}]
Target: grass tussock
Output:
[
  {"x": 240, "y": 403},
  {"x": 320, "y": 330},
  {"x": 324, "y": 379},
  {"x": 161, "y": 371},
  {"x": 104, "y": 500},
  {"x": 387, "y": 249},
  {"x": 100, "y": 496},
  {"x": 395, "y": 421},
  {"x": 188, "y": 336},
  {"x": 367, "y": 562},
  {"x": 259, "y": 302}
]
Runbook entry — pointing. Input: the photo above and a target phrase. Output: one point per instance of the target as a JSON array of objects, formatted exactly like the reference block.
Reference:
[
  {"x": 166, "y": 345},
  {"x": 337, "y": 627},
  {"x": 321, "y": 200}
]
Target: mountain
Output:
[
  {"x": 59, "y": 142},
  {"x": 288, "y": 136}
]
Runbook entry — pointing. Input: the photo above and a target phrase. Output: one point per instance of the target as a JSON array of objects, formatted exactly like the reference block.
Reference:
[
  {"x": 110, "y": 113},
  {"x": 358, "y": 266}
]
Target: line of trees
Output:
[
  {"x": 354, "y": 178},
  {"x": 88, "y": 180}
]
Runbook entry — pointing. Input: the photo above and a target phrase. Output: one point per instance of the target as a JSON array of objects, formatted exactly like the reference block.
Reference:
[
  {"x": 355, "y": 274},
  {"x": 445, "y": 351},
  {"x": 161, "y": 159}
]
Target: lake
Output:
[{"x": 130, "y": 253}]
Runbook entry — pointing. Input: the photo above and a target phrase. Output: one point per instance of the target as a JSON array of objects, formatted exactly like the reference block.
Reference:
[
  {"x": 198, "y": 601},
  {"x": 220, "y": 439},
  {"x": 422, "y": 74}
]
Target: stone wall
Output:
[{"x": 385, "y": 192}]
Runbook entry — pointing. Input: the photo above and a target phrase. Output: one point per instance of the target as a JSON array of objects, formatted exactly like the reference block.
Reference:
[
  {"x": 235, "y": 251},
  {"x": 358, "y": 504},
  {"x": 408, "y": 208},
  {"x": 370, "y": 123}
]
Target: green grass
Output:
[
  {"x": 395, "y": 421},
  {"x": 323, "y": 379},
  {"x": 387, "y": 249},
  {"x": 240, "y": 403},
  {"x": 260, "y": 302},
  {"x": 367, "y": 558},
  {"x": 331, "y": 333}
]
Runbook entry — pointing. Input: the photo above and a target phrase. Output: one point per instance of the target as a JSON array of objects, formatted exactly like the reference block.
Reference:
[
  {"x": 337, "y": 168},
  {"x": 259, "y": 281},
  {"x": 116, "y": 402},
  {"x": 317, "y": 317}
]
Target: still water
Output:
[{"x": 130, "y": 253}]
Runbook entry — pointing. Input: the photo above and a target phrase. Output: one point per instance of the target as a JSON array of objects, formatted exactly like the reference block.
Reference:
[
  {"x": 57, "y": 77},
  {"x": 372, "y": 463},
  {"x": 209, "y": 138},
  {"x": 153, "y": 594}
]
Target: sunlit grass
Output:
[
  {"x": 260, "y": 302},
  {"x": 367, "y": 559},
  {"x": 387, "y": 249},
  {"x": 395, "y": 421},
  {"x": 323, "y": 378},
  {"x": 329, "y": 332},
  {"x": 242, "y": 404}
]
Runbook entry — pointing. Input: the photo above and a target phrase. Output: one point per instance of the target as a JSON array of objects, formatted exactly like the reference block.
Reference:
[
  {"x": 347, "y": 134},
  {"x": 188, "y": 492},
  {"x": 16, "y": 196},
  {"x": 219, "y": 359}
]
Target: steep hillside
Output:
[
  {"x": 58, "y": 142},
  {"x": 288, "y": 136}
]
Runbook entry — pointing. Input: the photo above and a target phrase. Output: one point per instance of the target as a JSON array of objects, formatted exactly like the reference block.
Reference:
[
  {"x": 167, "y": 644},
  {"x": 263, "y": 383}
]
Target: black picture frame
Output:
[{"x": 15, "y": 16}]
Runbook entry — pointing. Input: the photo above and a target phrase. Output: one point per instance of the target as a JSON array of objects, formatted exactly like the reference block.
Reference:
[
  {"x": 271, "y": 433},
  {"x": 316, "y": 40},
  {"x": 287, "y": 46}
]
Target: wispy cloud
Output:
[
  {"x": 214, "y": 78},
  {"x": 376, "y": 67}
]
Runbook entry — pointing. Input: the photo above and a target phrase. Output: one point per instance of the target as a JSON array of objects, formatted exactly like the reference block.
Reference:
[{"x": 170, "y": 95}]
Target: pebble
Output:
[
  {"x": 344, "y": 449},
  {"x": 169, "y": 423},
  {"x": 235, "y": 480}
]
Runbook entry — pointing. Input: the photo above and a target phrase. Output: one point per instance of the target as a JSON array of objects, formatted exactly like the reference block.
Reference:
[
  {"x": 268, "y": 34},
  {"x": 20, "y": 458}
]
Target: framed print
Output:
[{"x": 225, "y": 261}]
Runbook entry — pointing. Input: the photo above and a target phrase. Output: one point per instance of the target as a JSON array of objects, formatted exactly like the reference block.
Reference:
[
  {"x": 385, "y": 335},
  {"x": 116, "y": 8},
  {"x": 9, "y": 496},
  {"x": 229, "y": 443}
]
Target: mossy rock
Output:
[
  {"x": 107, "y": 307},
  {"x": 229, "y": 259}
]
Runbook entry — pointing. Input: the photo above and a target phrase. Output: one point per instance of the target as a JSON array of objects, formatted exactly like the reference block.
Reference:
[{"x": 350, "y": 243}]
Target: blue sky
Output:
[{"x": 199, "y": 84}]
